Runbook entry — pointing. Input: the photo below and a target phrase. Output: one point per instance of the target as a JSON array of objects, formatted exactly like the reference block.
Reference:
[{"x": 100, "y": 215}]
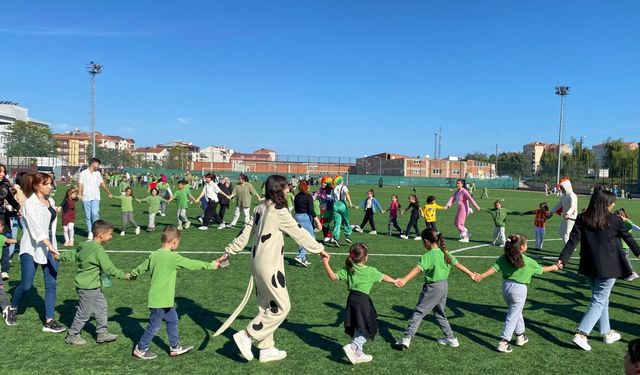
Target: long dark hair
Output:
[
  {"x": 431, "y": 236},
  {"x": 633, "y": 349},
  {"x": 274, "y": 190},
  {"x": 595, "y": 216},
  {"x": 357, "y": 253},
  {"x": 512, "y": 249}
]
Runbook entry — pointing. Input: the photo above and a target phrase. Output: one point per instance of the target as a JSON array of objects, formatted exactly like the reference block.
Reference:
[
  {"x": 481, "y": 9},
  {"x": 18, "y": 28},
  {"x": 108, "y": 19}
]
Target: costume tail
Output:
[{"x": 238, "y": 310}]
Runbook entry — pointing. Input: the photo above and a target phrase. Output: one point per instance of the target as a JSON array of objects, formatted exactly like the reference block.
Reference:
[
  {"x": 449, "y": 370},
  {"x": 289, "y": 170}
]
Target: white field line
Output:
[{"x": 488, "y": 244}]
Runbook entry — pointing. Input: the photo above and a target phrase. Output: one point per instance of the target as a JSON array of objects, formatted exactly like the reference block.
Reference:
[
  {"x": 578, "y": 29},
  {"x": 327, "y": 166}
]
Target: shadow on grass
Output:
[{"x": 132, "y": 327}]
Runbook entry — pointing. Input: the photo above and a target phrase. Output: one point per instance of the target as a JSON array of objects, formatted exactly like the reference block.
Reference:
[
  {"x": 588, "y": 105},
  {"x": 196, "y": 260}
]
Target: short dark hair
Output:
[
  {"x": 94, "y": 160},
  {"x": 209, "y": 175},
  {"x": 101, "y": 226}
]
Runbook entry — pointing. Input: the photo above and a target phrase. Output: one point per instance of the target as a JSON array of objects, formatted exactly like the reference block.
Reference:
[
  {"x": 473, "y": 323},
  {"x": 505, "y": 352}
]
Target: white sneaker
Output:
[
  {"x": 522, "y": 339},
  {"x": 358, "y": 229},
  {"x": 200, "y": 219},
  {"x": 464, "y": 239},
  {"x": 203, "y": 227},
  {"x": 350, "y": 353},
  {"x": 137, "y": 230},
  {"x": 418, "y": 238},
  {"x": 300, "y": 261},
  {"x": 5, "y": 276},
  {"x": 632, "y": 277},
  {"x": 222, "y": 226},
  {"x": 403, "y": 343},
  {"x": 404, "y": 237},
  {"x": 161, "y": 214},
  {"x": 243, "y": 342},
  {"x": 611, "y": 337},
  {"x": 335, "y": 242},
  {"x": 122, "y": 233},
  {"x": 582, "y": 341},
  {"x": 179, "y": 226},
  {"x": 504, "y": 347},
  {"x": 326, "y": 239},
  {"x": 373, "y": 232},
  {"x": 447, "y": 341},
  {"x": 272, "y": 354},
  {"x": 363, "y": 358},
  {"x": 187, "y": 225}
]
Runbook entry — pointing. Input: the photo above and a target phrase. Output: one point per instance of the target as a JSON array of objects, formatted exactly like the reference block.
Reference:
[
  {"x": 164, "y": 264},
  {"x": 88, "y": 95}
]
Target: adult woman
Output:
[
  {"x": 37, "y": 247},
  {"x": 304, "y": 214},
  {"x": 602, "y": 261},
  {"x": 225, "y": 187},
  {"x": 463, "y": 198},
  {"x": 6, "y": 216},
  {"x": 242, "y": 192},
  {"x": 271, "y": 220}
]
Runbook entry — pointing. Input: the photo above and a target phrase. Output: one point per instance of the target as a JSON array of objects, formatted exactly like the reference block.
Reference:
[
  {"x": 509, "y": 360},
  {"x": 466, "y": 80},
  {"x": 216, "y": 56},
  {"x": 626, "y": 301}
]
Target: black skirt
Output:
[{"x": 361, "y": 315}]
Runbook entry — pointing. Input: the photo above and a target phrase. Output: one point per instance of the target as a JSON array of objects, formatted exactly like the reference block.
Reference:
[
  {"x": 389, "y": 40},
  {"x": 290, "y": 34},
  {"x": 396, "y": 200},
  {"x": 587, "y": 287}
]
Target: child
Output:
[
  {"x": 68, "y": 207},
  {"x": 413, "y": 220},
  {"x": 499, "y": 216},
  {"x": 163, "y": 265},
  {"x": 436, "y": 264},
  {"x": 630, "y": 226},
  {"x": 360, "y": 322},
  {"x": 393, "y": 215},
  {"x": 542, "y": 215},
  {"x": 164, "y": 190},
  {"x": 371, "y": 205},
  {"x": 154, "y": 201},
  {"x": 5, "y": 275},
  {"x": 517, "y": 270},
  {"x": 182, "y": 196},
  {"x": 290, "y": 198},
  {"x": 92, "y": 261},
  {"x": 485, "y": 193},
  {"x": 123, "y": 186},
  {"x": 429, "y": 212},
  {"x": 126, "y": 206},
  {"x": 632, "y": 359}
]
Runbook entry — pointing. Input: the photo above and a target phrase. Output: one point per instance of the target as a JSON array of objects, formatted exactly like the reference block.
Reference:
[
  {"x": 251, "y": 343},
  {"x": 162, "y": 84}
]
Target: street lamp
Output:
[
  {"x": 562, "y": 91},
  {"x": 380, "y": 160},
  {"x": 94, "y": 69}
]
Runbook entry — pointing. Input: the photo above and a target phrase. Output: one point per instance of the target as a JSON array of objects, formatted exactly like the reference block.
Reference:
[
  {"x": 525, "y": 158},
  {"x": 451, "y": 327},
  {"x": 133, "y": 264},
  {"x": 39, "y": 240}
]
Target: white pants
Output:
[
  {"x": 69, "y": 232},
  {"x": 236, "y": 216},
  {"x": 539, "y": 232},
  {"x": 499, "y": 236},
  {"x": 565, "y": 229}
]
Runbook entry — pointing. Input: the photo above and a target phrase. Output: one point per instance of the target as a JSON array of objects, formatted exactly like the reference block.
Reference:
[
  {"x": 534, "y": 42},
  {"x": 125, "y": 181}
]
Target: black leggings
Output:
[
  {"x": 394, "y": 221},
  {"x": 413, "y": 223},
  {"x": 210, "y": 213},
  {"x": 368, "y": 217},
  {"x": 223, "y": 210}
]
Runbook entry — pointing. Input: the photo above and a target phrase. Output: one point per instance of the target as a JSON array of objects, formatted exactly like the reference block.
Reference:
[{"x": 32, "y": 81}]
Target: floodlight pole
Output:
[
  {"x": 93, "y": 69},
  {"x": 562, "y": 91}
]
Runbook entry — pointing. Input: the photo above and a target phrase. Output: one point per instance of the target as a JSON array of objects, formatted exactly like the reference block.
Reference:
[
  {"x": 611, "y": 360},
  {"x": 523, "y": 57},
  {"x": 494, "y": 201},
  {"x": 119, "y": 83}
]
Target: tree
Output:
[
  {"x": 479, "y": 156},
  {"x": 115, "y": 158},
  {"x": 30, "y": 139},
  {"x": 178, "y": 158}
]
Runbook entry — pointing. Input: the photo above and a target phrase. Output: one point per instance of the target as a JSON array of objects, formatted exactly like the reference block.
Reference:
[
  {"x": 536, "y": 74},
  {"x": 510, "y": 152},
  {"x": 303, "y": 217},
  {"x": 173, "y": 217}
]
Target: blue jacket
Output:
[{"x": 375, "y": 205}]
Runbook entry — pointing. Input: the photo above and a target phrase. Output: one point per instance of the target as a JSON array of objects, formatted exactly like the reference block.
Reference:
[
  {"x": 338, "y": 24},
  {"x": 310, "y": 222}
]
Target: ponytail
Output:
[
  {"x": 443, "y": 247},
  {"x": 357, "y": 253},
  {"x": 431, "y": 236},
  {"x": 512, "y": 249}
]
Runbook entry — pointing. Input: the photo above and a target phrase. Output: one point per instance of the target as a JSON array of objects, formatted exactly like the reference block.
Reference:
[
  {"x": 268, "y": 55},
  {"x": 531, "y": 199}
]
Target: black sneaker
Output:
[
  {"x": 143, "y": 354},
  {"x": 178, "y": 350},
  {"x": 11, "y": 316},
  {"x": 53, "y": 326}
]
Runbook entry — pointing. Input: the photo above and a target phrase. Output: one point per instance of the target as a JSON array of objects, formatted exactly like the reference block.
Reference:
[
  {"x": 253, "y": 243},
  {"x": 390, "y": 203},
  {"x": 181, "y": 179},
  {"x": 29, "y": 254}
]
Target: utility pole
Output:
[
  {"x": 496, "y": 165},
  {"x": 562, "y": 91},
  {"x": 440, "y": 143},
  {"x": 93, "y": 69}
]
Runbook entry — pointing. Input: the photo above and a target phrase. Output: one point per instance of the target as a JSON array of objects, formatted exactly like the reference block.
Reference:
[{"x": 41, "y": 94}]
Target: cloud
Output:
[
  {"x": 128, "y": 129},
  {"x": 69, "y": 32},
  {"x": 62, "y": 127},
  {"x": 184, "y": 120}
]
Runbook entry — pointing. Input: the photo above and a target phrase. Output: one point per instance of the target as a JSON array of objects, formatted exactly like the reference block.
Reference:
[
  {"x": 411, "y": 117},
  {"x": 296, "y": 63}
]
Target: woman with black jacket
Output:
[{"x": 598, "y": 232}]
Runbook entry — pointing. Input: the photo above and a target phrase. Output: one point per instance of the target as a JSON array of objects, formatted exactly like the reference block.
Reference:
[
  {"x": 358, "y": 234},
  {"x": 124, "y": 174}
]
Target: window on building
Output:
[
  {"x": 436, "y": 171},
  {"x": 416, "y": 162},
  {"x": 456, "y": 172}
]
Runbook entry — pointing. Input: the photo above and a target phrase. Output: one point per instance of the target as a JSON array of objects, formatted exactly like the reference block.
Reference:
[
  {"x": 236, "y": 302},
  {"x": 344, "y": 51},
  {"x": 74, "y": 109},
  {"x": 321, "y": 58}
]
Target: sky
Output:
[{"x": 339, "y": 78}]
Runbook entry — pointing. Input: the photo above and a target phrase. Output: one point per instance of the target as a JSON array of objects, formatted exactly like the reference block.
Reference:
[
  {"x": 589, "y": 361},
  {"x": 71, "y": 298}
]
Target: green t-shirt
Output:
[
  {"x": 521, "y": 275},
  {"x": 290, "y": 198},
  {"x": 154, "y": 202},
  {"x": 243, "y": 194},
  {"x": 362, "y": 278},
  {"x": 182, "y": 197},
  {"x": 499, "y": 216},
  {"x": 163, "y": 265},
  {"x": 92, "y": 261},
  {"x": 434, "y": 266},
  {"x": 628, "y": 225},
  {"x": 126, "y": 202},
  {"x": 2, "y": 239}
]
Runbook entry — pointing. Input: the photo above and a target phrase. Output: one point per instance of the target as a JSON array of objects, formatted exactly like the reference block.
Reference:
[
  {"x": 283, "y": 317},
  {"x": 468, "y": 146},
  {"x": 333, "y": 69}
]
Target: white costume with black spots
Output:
[{"x": 266, "y": 236}]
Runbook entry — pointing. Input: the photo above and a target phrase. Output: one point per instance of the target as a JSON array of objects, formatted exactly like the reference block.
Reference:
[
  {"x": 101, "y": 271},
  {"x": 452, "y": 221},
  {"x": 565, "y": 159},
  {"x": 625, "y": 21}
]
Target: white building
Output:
[
  {"x": 152, "y": 154},
  {"x": 216, "y": 154},
  {"x": 11, "y": 112}
]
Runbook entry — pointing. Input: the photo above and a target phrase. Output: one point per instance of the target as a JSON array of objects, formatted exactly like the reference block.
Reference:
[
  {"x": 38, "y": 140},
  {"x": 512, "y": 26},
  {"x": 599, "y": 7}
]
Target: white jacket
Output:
[
  {"x": 35, "y": 221},
  {"x": 568, "y": 202}
]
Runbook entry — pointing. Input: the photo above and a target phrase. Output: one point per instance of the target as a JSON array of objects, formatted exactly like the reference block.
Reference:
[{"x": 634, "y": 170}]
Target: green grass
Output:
[{"x": 313, "y": 333}]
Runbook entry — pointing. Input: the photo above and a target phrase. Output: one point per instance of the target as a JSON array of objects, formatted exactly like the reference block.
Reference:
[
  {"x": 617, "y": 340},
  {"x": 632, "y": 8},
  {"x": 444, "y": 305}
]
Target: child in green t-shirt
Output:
[
  {"x": 126, "y": 206},
  {"x": 154, "y": 201},
  {"x": 499, "y": 216},
  {"x": 517, "y": 270},
  {"x": 630, "y": 226},
  {"x": 182, "y": 196},
  {"x": 360, "y": 322},
  {"x": 5, "y": 275},
  {"x": 163, "y": 265},
  {"x": 436, "y": 264}
]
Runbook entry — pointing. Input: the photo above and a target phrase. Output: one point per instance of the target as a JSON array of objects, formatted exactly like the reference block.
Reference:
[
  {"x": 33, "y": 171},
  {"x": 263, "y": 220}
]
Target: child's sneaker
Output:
[
  {"x": 106, "y": 337},
  {"x": 272, "y": 354},
  {"x": 611, "y": 337},
  {"x": 464, "y": 239},
  {"x": 143, "y": 354},
  {"x": 452, "y": 342},
  {"x": 350, "y": 353},
  {"x": 122, "y": 233},
  {"x": 418, "y": 238},
  {"x": 334, "y": 241},
  {"x": 203, "y": 227},
  {"x": 363, "y": 358},
  {"x": 53, "y": 326},
  {"x": 137, "y": 230},
  {"x": 10, "y": 316},
  {"x": 403, "y": 343},
  {"x": 358, "y": 229},
  {"x": 187, "y": 225},
  {"x": 404, "y": 237},
  {"x": 504, "y": 347},
  {"x": 307, "y": 263},
  {"x": 632, "y": 277},
  {"x": 582, "y": 341},
  {"x": 348, "y": 239},
  {"x": 373, "y": 232},
  {"x": 300, "y": 261},
  {"x": 222, "y": 226},
  {"x": 5, "y": 276},
  {"x": 521, "y": 339},
  {"x": 75, "y": 340},
  {"x": 180, "y": 226},
  {"x": 179, "y": 350},
  {"x": 326, "y": 239},
  {"x": 243, "y": 342}
]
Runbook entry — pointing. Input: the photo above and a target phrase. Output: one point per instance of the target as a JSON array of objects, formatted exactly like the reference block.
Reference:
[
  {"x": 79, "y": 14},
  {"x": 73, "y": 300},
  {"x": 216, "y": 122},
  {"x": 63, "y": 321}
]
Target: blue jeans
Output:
[
  {"x": 305, "y": 222},
  {"x": 91, "y": 213},
  {"x": 170, "y": 316},
  {"x": 28, "y": 273},
  {"x": 15, "y": 224},
  {"x": 598, "y": 310}
]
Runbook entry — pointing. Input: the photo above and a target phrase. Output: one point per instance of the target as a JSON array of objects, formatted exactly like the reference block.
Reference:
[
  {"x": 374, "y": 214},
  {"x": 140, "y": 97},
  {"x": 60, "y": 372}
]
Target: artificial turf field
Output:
[{"x": 313, "y": 335}]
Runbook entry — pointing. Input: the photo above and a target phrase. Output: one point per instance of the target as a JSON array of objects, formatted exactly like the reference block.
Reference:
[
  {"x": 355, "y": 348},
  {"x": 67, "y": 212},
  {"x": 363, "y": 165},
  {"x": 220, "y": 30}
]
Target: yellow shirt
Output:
[{"x": 429, "y": 212}]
